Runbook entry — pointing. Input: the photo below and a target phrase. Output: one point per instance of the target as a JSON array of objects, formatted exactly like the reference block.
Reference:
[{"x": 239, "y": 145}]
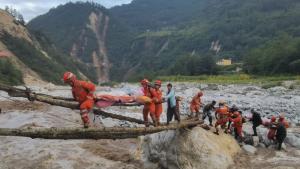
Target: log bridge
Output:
[{"x": 81, "y": 133}]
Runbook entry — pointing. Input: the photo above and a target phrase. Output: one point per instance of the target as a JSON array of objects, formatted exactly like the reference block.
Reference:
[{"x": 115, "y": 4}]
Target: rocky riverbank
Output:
[{"x": 195, "y": 148}]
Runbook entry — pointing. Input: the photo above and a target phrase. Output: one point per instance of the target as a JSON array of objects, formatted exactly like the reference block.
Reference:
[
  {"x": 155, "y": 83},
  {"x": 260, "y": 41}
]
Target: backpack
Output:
[{"x": 243, "y": 120}]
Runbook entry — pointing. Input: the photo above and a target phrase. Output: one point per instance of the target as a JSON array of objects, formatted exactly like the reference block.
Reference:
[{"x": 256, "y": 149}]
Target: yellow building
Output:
[{"x": 224, "y": 62}]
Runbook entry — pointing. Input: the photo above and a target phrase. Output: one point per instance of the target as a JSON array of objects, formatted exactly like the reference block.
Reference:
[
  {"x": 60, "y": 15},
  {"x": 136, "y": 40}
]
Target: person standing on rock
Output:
[
  {"x": 196, "y": 104},
  {"x": 256, "y": 121},
  {"x": 172, "y": 105},
  {"x": 233, "y": 109},
  {"x": 158, "y": 101},
  {"x": 221, "y": 114},
  {"x": 83, "y": 92},
  {"x": 282, "y": 120},
  {"x": 237, "y": 125},
  {"x": 149, "y": 108},
  {"x": 207, "y": 111},
  {"x": 272, "y": 129}
]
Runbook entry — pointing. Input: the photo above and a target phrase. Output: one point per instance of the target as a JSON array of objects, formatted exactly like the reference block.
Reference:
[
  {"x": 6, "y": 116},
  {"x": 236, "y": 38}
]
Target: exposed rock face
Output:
[
  {"x": 100, "y": 58},
  {"x": 98, "y": 24},
  {"x": 192, "y": 149}
]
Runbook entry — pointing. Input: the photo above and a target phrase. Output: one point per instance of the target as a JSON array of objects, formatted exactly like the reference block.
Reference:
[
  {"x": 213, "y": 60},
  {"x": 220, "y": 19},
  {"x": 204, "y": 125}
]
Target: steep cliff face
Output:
[
  {"x": 96, "y": 56},
  {"x": 100, "y": 58}
]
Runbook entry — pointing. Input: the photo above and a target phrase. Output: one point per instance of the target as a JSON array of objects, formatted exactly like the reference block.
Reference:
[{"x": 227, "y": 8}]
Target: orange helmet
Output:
[
  {"x": 273, "y": 119},
  {"x": 158, "y": 82},
  {"x": 69, "y": 76},
  {"x": 222, "y": 102},
  {"x": 144, "y": 81},
  {"x": 200, "y": 94}
]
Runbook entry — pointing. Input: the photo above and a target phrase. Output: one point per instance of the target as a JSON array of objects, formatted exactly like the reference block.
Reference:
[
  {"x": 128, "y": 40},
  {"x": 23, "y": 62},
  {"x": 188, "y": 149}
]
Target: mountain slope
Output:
[
  {"x": 30, "y": 57},
  {"x": 159, "y": 37},
  {"x": 81, "y": 30}
]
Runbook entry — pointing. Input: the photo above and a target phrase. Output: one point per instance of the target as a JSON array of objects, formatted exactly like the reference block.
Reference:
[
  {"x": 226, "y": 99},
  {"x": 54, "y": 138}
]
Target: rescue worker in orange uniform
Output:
[
  {"x": 158, "y": 101},
  {"x": 282, "y": 120},
  {"x": 83, "y": 92},
  {"x": 221, "y": 114},
  {"x": 233, "y": 109},
  {"x": 149, "y": 108},
  {"x": 238, "y": 125},
  {"x": 272, "y": 129},
  {"x": 196, "y": 104}
]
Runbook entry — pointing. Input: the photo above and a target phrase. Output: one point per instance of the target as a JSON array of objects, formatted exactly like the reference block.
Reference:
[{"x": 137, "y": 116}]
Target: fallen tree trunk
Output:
[
  {"x": 15, "y": 92},
  {"x": 93, "y": 133},
  {"x": 116, "y": 116}
]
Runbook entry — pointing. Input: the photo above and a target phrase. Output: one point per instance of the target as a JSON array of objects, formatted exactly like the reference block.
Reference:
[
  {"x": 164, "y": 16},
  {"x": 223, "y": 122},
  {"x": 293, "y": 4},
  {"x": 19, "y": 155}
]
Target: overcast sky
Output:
[{"x": 32, "y": 8}]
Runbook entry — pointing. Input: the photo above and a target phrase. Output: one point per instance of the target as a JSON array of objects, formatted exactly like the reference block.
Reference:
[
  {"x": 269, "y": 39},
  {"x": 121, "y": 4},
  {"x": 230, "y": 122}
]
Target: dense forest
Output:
[{"x": 159, "y": 37}]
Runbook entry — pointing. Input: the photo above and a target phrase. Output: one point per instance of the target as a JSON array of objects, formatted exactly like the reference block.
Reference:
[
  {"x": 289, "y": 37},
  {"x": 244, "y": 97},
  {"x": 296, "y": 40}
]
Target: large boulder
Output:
[{"x": 189, "y": 149}]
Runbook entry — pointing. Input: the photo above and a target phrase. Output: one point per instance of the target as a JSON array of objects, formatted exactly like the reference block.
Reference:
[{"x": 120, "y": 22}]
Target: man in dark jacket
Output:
[
  {"x": 280, "y": 134},
  {"x": 256, "y": 121},
  {"x": 207, "y": 111}
]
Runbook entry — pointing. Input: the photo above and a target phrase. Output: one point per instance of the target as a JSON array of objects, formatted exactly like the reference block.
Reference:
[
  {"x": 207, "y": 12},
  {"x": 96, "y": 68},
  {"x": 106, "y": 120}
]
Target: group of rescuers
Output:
[{"x": 227, "y": 118}]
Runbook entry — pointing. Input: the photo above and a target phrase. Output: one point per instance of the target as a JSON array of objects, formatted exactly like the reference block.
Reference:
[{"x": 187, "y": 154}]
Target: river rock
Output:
[
  {"x": 196, "y": 148},
  {"x": 261, "y": 145},
  {"x": 255, "y": 141},
  {"x": 249, "y": 149},
  {"x": 212, "y": 87},
  {"x": 293, "y": 139},
  {"x": 278, "y": 90}
]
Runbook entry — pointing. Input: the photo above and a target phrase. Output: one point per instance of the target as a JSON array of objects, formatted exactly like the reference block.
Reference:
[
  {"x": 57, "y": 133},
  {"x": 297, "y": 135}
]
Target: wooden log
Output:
[
  {"x": 116, "y": 116},
  {"x": 13, "y": 91},
  {"x": 93, "y": 133},
  {"x": 16, "y": 92}
]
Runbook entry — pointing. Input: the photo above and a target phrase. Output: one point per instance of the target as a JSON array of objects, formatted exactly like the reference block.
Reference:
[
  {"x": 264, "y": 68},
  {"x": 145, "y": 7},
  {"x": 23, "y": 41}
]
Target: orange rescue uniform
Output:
[
  {"x": 195, "y": 104},
  {"x": 83, "y": 92},
  {"x": 284, "y": 122},
  {"x": 149, "y": 107},
  {"x": 158, "y": 104},
  {"x": 238, "y": 124},
  {"x": 222, "y": 113}
]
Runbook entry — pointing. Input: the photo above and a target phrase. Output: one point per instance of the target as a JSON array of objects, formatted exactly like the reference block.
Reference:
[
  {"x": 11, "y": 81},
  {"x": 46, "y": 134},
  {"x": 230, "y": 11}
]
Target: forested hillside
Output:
[
  {"x": 159, "y": 37},
  {"x": 81, "y": 30}
]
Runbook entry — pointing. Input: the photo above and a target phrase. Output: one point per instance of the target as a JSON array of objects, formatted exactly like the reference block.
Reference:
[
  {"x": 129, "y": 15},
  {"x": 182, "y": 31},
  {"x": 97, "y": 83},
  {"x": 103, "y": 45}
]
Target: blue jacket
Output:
[{"x": 171, "y": 97}]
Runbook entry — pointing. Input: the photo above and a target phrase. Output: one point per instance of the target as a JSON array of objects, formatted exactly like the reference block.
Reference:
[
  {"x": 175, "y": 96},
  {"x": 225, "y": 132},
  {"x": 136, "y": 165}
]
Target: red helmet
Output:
[
  {"x": 158, "y": 82},
  {"x": 273, "y": 119},
  {"x": 236, "y": 113},
  {"x": 144, "y": 81},
  {"x": 281, "y": 117},
  {"x": 69, "y": 76},
  {"x": 200, "y": 94}
]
